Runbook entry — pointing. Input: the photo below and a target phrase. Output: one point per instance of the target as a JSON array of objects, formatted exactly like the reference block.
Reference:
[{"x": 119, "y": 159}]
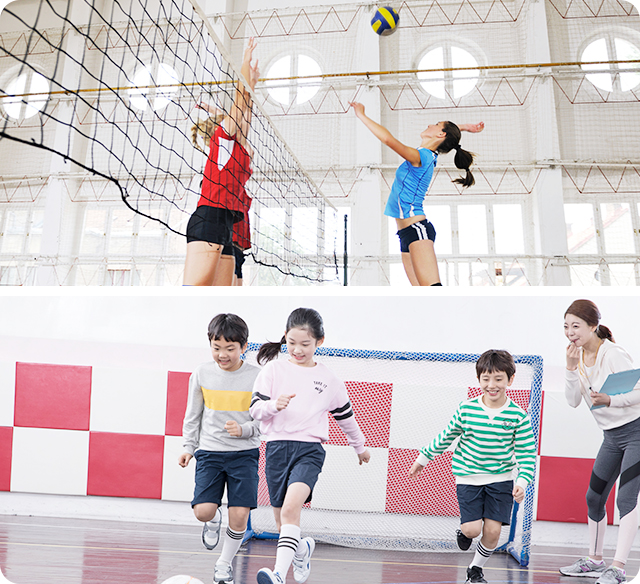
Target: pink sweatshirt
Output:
[{"x": 305, "y": 419}]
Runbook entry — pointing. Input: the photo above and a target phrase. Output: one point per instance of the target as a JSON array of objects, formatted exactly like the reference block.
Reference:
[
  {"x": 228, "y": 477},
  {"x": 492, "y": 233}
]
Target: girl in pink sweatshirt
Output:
[{"x": 291, "y": 398}]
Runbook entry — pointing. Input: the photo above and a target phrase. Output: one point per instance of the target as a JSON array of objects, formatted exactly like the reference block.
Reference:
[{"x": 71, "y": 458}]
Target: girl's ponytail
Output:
[
  {"x": 270, "y": 351},
  {"x": 463, "y": 160}
]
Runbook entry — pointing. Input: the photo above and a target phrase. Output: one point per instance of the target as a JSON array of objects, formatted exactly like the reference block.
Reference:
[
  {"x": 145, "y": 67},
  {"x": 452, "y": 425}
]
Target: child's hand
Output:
[
  {"x": 184, "y": 459},
  {"x": 233, "y": 428},
  {"x": 573, "y": 357},
  {"x": 473, "y": 128},
  {"x": 415, "y": 470},
  {"x": 358, "y": 108},
  {"x": 283, "y": 401},
  {"x": 518, "y": 494},
  {"x": 364, "y": 457}
]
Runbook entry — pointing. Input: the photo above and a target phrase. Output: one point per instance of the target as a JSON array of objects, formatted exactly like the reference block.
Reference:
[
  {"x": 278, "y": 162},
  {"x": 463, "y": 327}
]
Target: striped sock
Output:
[
  {"x": 287, "y": 546},
  {"x": 231, "y": 542},
  {"x": 481, "y": 556}
]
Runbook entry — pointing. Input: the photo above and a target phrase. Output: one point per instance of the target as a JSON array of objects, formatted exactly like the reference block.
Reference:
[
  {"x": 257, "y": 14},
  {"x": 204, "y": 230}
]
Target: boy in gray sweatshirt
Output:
[{"x": 224, "y": 439}]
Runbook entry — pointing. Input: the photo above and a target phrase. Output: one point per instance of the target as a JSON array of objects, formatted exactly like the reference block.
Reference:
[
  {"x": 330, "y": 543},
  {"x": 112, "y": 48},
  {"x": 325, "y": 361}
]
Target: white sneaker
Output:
[
  {"x": 266, "y": 576},
  {"x": 584, "y": 568},
  {"x": 223, "y": 572},
  {"x": 302, "y": 565},
  {"x": 211, "y": 531},
  {"x": 612, "y": 575}
]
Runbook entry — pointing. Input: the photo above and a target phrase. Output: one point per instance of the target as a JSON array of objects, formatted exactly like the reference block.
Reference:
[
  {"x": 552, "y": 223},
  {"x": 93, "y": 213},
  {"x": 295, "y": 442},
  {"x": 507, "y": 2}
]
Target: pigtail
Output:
[
  {"x": 205, "y": 129},
  {"x": 463, "y": 160},
  {"x": 270, "y": 351}
]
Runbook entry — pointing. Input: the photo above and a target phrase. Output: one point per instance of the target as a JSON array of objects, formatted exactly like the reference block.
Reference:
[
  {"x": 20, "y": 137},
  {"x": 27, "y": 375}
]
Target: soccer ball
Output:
[{"x": 385, "y": 21}]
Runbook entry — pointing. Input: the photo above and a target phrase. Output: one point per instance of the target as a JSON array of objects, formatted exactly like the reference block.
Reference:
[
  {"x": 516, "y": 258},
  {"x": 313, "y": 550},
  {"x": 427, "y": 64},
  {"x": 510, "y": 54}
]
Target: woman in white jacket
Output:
[{"x": 592, "y": 355}]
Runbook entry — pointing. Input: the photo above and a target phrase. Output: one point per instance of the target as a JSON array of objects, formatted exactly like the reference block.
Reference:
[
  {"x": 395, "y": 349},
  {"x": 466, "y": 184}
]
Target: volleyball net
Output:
[
  {"x": 402, "y": 401},
  {"x": 108, "y": 149}
]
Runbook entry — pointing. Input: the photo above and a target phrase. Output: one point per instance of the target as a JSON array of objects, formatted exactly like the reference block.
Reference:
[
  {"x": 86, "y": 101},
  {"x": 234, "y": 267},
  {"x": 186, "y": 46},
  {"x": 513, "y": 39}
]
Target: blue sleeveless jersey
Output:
[{"x": 410, "y": 186}]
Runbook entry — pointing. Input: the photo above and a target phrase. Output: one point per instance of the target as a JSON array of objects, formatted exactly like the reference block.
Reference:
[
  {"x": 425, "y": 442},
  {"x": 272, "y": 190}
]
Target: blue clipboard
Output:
[{"x": 621, "y": 382}]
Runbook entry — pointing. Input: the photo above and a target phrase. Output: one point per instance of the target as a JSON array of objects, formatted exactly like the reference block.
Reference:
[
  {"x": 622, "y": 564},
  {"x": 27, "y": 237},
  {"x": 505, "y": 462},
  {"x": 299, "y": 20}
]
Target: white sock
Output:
[
  {"x": 287, "y": 546},
  {"x": 231, "y": 542},
  {"x": 481, "y": 556}
]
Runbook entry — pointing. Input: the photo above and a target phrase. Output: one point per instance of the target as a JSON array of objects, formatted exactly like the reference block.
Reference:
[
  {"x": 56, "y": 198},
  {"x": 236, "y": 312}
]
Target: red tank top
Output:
[{"x": 227, "y": 170}]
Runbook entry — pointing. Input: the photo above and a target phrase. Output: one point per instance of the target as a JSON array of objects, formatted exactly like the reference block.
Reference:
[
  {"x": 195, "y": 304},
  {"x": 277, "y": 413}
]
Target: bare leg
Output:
[
  {"x": 424, "y": 262},
  {"x": 205, "y": 511},
  {"x": 225, "y": 271},
  {"x": 201, "y": 263},
  {"x": 408, "y": 268}
]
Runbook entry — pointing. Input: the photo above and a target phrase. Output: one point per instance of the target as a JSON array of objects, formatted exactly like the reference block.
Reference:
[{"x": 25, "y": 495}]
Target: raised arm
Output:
[
  {"x": 240, "y": 114},
  {"x": 386, "y": 137},
  {"x": 473, "y": 128}
]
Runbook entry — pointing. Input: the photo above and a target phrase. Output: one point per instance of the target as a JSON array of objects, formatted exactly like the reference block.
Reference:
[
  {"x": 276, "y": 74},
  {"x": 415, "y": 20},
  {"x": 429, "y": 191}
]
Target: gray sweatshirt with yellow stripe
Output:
[{"x": 216, "y": 396}]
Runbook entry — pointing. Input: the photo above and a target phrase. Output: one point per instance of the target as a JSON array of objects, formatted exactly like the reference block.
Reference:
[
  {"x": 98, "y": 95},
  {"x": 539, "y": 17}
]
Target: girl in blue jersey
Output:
[{"x": 409, "y": 190}]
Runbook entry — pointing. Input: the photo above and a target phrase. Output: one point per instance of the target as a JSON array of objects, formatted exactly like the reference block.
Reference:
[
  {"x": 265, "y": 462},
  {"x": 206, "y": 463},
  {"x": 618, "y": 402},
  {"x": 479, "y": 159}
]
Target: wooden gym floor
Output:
[{"x": 35, "y": 550}]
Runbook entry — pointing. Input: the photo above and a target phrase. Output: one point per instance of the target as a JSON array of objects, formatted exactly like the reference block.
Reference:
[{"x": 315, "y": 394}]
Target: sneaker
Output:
[
  {"x": 612, "y": 575},
  {"x": 302, "y": 565},
  {"x": 584, "y": 568},
  {"x": 475, "y": 575},
  {"x": 223, "y": 573},
  {"x": 266, "y": 576},
  {"x": 464, "y": 542},
  {"x": 211, "y": 531}
]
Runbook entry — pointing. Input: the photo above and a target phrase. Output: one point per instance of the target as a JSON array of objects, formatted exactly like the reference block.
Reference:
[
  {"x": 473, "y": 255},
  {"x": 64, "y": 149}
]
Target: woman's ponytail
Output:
[
  {"x": 463, "y": 160},
  {"x": 269, "y": 351}
]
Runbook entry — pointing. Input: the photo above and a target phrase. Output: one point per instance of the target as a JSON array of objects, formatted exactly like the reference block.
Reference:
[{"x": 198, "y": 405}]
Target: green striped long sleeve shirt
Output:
[{"x": 491, "y": 442}]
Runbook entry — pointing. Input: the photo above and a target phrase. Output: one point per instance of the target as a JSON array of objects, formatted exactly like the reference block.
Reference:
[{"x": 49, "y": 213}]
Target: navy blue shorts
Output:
[
  {"x": 492, "y": 501},
  {"x": 289, "y": 461},
  {"x": 415, "y": 232},
  {"x": 237, "y": 470}
]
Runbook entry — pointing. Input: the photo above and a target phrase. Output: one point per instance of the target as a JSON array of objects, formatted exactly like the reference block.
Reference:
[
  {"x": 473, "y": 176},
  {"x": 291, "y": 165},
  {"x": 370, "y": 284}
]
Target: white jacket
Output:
[{"x": 625, "y": 407}]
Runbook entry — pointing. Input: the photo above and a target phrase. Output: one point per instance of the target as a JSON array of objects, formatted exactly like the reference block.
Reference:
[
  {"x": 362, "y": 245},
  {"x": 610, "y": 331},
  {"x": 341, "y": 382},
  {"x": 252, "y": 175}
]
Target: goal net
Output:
[
  {"x": 401, "y": 401},
  {"x": 100, "y": 100}
]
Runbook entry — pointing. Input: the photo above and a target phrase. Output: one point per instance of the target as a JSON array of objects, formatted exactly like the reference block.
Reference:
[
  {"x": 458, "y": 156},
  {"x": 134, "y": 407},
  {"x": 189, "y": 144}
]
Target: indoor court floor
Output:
[{"x": 36, "y": 550}]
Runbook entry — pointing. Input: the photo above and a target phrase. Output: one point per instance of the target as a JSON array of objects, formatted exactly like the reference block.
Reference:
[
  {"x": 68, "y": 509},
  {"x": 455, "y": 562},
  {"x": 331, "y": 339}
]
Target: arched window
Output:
[
  {"x": 293, "y": 91},
  {"x": 147, "y": 87},
  {"x": 612, "y": 76},
  {"x": 456, "y": 84},
  {"x": 27, "y": 95}
]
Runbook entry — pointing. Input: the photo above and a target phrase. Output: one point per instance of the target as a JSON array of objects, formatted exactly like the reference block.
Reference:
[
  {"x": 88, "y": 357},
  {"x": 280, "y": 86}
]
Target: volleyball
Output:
[
  {"x": 181, "y": 579},
  {"x": 385, "y": 21}
]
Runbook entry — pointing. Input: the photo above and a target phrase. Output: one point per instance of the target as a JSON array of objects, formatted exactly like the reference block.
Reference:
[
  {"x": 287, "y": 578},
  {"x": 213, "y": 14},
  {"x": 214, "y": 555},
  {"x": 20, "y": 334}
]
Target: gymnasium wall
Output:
[{"x": 90, "y": 384}]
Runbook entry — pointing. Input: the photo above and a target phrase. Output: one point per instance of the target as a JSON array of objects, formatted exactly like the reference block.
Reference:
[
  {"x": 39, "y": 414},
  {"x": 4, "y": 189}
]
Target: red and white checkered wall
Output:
[{"x": 106, "y": 431}]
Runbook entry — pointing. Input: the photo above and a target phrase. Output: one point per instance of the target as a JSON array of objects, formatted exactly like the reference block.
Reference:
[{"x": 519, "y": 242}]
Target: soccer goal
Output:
[{"x": 402, "y": 401}]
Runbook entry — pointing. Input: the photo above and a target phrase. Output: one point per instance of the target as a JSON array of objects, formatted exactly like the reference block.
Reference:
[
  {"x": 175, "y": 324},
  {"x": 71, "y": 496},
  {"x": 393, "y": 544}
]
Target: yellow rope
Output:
[{"x": 367, "y": 74}]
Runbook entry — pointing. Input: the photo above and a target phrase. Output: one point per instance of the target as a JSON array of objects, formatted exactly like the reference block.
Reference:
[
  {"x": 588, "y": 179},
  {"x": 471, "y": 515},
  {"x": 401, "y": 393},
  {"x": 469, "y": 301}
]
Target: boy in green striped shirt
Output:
[{"x": 495, "y": 438}]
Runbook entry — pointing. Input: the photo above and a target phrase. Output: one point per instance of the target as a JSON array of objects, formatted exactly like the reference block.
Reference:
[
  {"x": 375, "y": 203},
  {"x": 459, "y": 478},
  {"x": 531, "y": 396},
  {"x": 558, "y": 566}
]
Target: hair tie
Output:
[{"x": 458, "y": 147}]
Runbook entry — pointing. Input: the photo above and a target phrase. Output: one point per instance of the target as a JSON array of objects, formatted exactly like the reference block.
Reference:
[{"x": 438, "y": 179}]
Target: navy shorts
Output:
[
  {"x": 237, "y": 470},
  {"x": 492, "y": 501},
  {"x": 416, "y": 232},
  {"x": 211, "y": 224},
  {"x": 289, "y": 461}
]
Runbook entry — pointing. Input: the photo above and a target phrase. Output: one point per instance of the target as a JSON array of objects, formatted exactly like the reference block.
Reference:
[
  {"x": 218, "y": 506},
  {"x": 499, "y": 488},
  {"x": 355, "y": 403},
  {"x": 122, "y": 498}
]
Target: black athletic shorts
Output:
[
  {"x": 211, "y": 224},
  {"x": 239, "y": 261},
  {"x": 415, "y": 232}
]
